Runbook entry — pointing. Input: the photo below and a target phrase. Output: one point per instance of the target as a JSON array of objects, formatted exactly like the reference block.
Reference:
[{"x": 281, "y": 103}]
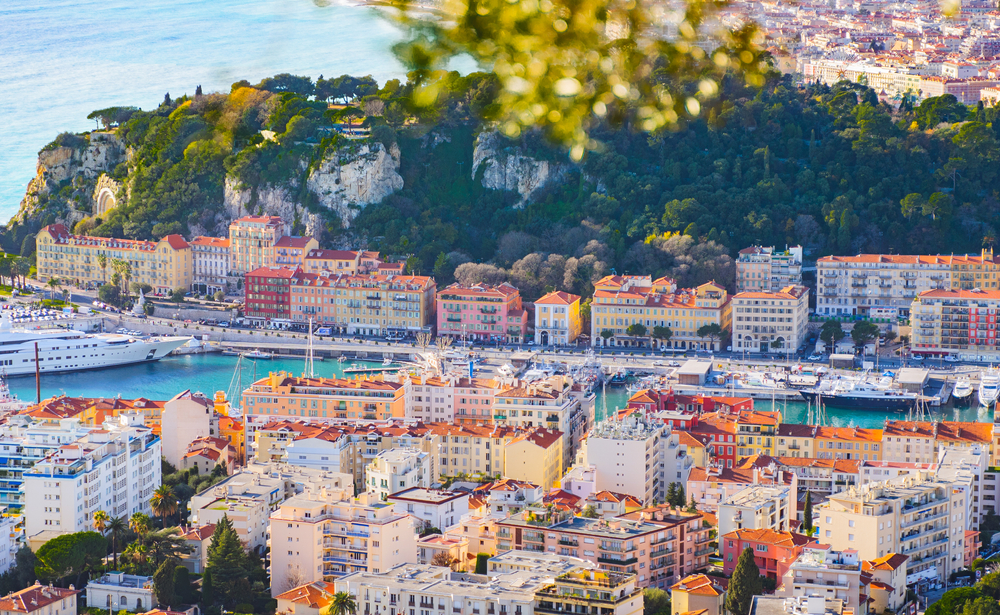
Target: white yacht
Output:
[
  {"x": 989, "y": 387},
  {"x": 862, "y": 393},
  {"x": 962, "y": 393},
  {"x": 66, "y": 350}
]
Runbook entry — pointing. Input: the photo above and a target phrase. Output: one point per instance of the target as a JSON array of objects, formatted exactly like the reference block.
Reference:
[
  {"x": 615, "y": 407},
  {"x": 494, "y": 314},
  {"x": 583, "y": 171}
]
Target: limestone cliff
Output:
[
  {"x": 268, "y": 201},
  {"x": 507, "y": 167},
  {"x": 352, "y": 177},
  {"x": 77, "y": 165}
]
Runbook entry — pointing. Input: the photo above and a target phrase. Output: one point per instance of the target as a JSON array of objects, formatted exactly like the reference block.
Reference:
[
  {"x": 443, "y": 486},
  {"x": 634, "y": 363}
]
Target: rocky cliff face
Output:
[
  {"x": 506, "y": 167},
  {"x": 270, "y": 201},
  {"x": 80, "y": 166},
  {"x": 350, "y": 178}
]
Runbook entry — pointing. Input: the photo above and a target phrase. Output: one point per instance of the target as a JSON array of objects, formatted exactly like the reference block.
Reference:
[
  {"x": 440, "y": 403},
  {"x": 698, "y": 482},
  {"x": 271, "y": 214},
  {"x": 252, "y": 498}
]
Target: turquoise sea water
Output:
[
  {"x": 213, "y": 372},
  {"x": 62, "y": 59}
]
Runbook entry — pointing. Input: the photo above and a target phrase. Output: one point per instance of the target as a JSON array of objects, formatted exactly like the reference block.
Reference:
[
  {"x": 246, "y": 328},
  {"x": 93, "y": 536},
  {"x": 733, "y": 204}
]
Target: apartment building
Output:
[
  {"x": 697, "y": 593},
  {"x": 622, "y": 301},
  {"x": 825, "y": 442},
  {"x": 364, "y": 304},
  {"x": 544, "y": 587},
  {"x": 960, "y": 323},
  {"x": 397, "y": 470},
  {"x": 765, "y": 269},
  {"x": 821, "y": 477},
  {"x": 482, "y": 312},
  {"x": 451, "y": 399},
  {"x": 923, "y": 519},
  {"x": 165, "y": 265},
  {"x": 557, "y": 319},
  {"x": 347, "y": 262},
  {"x": 922, "y": 441},
  {"x": 438, "y": 508},
  {"x": 758, "y": 507},
  {"x": 773, "y": 551},
  {"x": 23, "y": 443},
  {"x": 637, "y": 456},
  {"x": 766, "y": 321},
  {"x": 822, "y": 571},
  {"x": 211, "y": 259},
  {"x": 615, "y": 545},
  {"x": 114, "y": 469},
  {"x": 711, "y": 486},
  {"x": 252, "y": 240},
  {"x": 325, "y": 534},
  {"x": 535, "y": 456},
  {"x": 508, "y": 496},
  {"x": 269, "y": 293},
  {"x": 877, "y": 285},
  {"x": 888, "y": 584},
  {"x": 185, "y": 418},
  {"x": 281, "y": 393},
  {"x": 755, "y": 432},
  {"x": 687, "y": 534},
  {"x": 555, "y": 403},
  {"x": 291, "y": 251}
]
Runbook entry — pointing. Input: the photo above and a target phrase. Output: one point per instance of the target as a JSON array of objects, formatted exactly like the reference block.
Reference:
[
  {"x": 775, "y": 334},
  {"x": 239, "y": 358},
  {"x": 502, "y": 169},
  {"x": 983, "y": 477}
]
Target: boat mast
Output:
[{"x": 309, "y": 370}]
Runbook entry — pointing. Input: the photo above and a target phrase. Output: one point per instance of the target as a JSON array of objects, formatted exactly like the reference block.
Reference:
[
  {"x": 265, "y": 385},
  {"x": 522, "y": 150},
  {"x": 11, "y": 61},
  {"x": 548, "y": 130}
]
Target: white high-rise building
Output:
[
  {"x": 324, "y": 534},
  {"x": 23, "y": 443},
  {"x": 398, "y": 470},
  {"x": 114, "y": 469}
]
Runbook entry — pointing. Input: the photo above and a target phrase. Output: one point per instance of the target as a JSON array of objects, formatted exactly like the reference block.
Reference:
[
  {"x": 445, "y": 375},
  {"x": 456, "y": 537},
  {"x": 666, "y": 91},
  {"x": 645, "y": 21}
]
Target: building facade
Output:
[
  {"x": 398, "y": 470},
  {"x": 345, "y": 398},
  {"x": 212, "y": 261},
  {"x": 621, "y": 302},
  {"x": 291, "y": 251},
  {"x": 764, "y": 269},
  {"x": 770, "y": 322},
  {"x": 557, "y": 319},
  {"x": 481, "y": 312},
  {"x": 114, "y": 469},
  {"x": 269, "y": 294},
  {"x": 252, "y": 240},
  {"x": 958, "y": 323},
  {"x": 165, "y": 265}
]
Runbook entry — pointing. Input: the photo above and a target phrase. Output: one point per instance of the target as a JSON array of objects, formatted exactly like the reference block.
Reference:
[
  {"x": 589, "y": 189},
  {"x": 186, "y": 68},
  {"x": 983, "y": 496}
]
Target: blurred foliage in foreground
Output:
[{"x": 565, "y": 65}]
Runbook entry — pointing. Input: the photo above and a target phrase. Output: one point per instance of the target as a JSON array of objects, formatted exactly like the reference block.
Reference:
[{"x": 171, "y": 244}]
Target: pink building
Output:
[
  {"x": 773, "y": 551},
  {"x": 481, "y": 312}
]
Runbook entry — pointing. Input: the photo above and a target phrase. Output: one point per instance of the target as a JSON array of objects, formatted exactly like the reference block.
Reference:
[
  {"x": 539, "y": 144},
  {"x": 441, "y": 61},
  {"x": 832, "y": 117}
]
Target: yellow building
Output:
[
  {"x": 756, "y": 432},
  {"x": 535, "y": 457},
  {"x": 282, "y": 394},
  {"x": 165, "y": 265},
  {"x": 557, "y": 319},
  {"x": 697, "y": 593},
  {"x": 623, "y": 301},
  {"x": 822, "y": 442}
]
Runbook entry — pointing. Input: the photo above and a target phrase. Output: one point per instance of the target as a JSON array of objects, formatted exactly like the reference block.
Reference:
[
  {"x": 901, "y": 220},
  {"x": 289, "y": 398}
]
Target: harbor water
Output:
[{"x": 213, "y": 372}]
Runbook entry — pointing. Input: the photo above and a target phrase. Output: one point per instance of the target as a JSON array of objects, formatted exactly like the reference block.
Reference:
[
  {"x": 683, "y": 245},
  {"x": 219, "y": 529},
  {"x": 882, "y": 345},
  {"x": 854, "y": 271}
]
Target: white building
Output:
[
  {"x": 23, "y": 443},
  {"x": 821, "y": 571},
  {"x": 120, "y": 591},
  {"x": 212, "y": 264},
  {"x": 637, "y": 457},
  {"x": 757, "y": 507},
  {"x": 185, "y": 418},
  {"x": 967, "y": 469},
  {"x": 114, "y": 469},
  {"x": 397, "y": 470},
  {"x": 432, "y": 507},
  {"x": 580, "y": 480},
  {"x": 878, "y": 284},
  {"x": 324, "y": 534},
  {"x": 11, "y": 539},
  {"x": 770, "y": 321},
  {"x": 764, "y": 269}
]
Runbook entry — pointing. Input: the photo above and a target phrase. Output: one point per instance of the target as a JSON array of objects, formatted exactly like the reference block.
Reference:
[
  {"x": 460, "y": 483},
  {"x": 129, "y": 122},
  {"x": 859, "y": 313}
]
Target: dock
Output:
[
  {"x": 373, "y": 369},
  {"x": 757, "y": 393}
]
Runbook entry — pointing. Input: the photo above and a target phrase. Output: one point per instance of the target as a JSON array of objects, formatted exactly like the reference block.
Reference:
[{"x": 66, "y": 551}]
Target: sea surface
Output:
[
  {"x": 62, "y": 59},
  {"x": 209, "y": 373}
]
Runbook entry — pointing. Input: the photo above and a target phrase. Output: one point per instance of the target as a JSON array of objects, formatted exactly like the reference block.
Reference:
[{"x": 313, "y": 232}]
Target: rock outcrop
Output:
[
  {"x": 270, "y": 201},
  {"x": 506, "y": 167},
  {"x": 79, "y": 165},
  {"x": 355, "y": 176}
]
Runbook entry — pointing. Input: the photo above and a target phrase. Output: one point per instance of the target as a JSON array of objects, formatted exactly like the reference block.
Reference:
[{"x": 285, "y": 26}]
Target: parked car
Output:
[{"x": 815, "y": 357}]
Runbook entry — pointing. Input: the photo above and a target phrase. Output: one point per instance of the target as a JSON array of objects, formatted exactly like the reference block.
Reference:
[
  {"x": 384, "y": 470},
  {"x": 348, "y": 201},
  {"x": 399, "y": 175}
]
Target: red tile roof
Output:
[
  {"x": 697, "y": 584},
  {"x": 888, "y": 562},
  {"x": 34, "y": 598}
]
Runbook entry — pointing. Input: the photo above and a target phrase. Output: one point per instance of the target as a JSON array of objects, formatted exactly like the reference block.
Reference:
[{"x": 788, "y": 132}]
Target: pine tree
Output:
[
  {"x": 807, "y": 514},
  {"x": 692, "y": 505},
  {"x": 744, "y": 584},
  {"x": 671, "y": 493},
  {"x": 182, "y": 585},
  {"x": 207, "y": 589},
  {"x": 679, "y": 498},
  {"x": 163, "y": 582},
  {"x": 227, "y": 560}
]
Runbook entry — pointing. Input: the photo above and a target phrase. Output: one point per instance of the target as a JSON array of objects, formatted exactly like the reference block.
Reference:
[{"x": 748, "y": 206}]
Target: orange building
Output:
[{"x": 280, "y": 393}]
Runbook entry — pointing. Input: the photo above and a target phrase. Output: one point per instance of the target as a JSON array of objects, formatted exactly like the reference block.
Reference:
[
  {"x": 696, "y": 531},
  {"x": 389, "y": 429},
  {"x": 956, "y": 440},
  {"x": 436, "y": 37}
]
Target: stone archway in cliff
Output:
[{"x": 105, "y": 202}]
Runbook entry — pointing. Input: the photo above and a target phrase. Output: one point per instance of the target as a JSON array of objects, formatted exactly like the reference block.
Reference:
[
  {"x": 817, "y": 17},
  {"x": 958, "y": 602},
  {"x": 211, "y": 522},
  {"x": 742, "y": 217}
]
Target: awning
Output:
[{"x": 928, "y": 574}]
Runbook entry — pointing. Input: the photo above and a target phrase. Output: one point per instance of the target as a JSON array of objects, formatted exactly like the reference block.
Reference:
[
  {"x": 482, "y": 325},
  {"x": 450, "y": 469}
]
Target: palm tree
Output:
[
  {"x": 138, "y": 555},
  {"x": 100, "y": 520},
  {"x": 163, "y": 502},
  {"x": 343, "y": 603},
  {"x": 102, "y": 262},
  {"x": 116, "y": 528},
  {"x": 140, "y": 523}
]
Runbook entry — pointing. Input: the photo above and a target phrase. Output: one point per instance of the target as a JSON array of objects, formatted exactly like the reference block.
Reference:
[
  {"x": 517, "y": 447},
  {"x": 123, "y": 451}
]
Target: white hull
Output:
[
  {"x": 70, "y": 351},
  {"x": 962, "y": 390}
]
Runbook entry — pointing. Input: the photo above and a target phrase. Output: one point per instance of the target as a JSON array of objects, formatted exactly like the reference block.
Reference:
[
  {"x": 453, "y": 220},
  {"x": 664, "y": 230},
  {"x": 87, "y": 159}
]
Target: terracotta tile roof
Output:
[
  {"x": 946, "y": 431},
  {"x": 176, "y": 242},
  {"x": 34, "y": 598},
  {"x": 563, "y": 500},
  {"x": 794, "y": 430},
  {"x": 215, "y": 242},
  {"x": 541, "y": 437},
  {"x": 848, "y": 466},
  {"x": 558, "y": 297},
  {"x": 337, "y": 255},
  {"x": 618, "y": 498},
  {"x": 960, "y": 294},
  {"x": 691, "y": 440},
  {"x": 854, "y": 434},
  {"x": 888, "y": 562},
  {"x": 882, "y": 586},
  {"x": 200, "y": 532},
  {"x": 315, "y": 595},
  {"x": 788, "y": 292},
  {"x": 289, "y": 241},
  {"x": 699, "y": 584},
  {"x": 270, "y": 220},
  {"x": 273, "y": 272},
  {"x": 771, "y": 537}
]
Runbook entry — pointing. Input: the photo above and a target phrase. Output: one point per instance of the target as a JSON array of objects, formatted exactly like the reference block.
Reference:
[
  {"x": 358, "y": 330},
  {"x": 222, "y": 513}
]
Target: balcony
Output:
[{"x": 617, "y": 562}]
